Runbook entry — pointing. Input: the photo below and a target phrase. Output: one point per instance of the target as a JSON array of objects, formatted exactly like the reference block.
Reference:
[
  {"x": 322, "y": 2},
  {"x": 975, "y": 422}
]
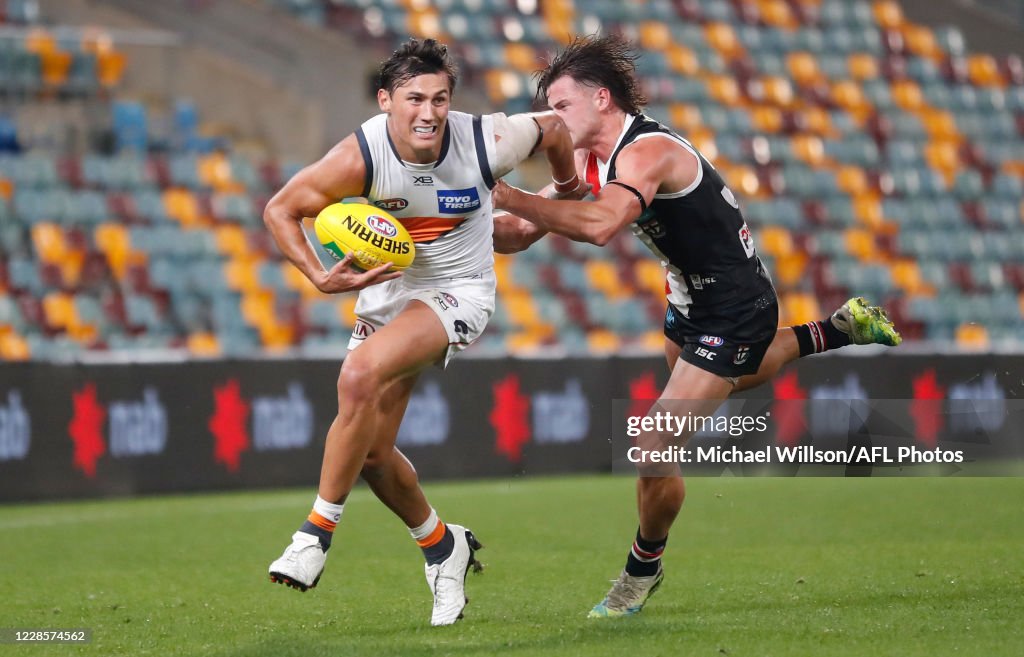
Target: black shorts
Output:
[{"x": 730, "y": 343}]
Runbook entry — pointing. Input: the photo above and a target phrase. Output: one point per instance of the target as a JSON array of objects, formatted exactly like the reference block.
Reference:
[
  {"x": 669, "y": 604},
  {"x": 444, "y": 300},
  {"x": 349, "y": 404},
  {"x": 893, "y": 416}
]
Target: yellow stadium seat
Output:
[
  {"x": 650, "y": 276},
  {"x": 425, "y": 24},
  {"x": 522, "y": 310},
  {"x": 848, "y": 95},
  {"x": 888, "y": 14},
  {"x": 907, "y": 95},
  {"x": 798, "y": 308},
  {"x": 603, "y": 276},
  {"x": 940, "y": 124},
  {"x": 943, "y": 156},
  {"x": 907, "y": 276},
  {"x": 860, "y": 243},
  {"x": 113, "y": 241},
  {"x": 242, "y": 275},
  {"x": 59, "y": 310},
  {"x": 203, "y": 345},
  {"x": 789, "y": 269},
  {"x": 48, "y": 240},
  {"x": 13, "y": 347},
  {"x": 524, "y": 341},
  {"x": 778, "y": 90},
  {"x": 777, "y": 14},
  {"x": 655, "y": 36},
  {"x": 653, "y": 340},
  {"x": 868, "y": 210},
  {"x": 766, "y": 118},
  {"x": 972, "y": 336},
  {"x": 809, "y": 149},
  {"x": 852, "y": 180},
  {"x": 983, "y": 71},
  {"x": 724, "y": 89},
  {"x": 685, "y": 118},
  {"x": 231, "y": 240},
  {"x": 214, "y": 170},
  {"x": 181, "y": 205},
  {"x": 776, "y": 241},
  {"x": 862, "y": 66},
  {"x": 722, "y": 38},
  {"x": 297, "y": 281},
  {"x": 600, "y": 341},
  {"x": 682, "y": 60},
  {"x": 803, "y": 67},
  {"x": 921, "y": 41},
  {"x": 522, "y": 57},
  {"x": 110, "y": 67}
]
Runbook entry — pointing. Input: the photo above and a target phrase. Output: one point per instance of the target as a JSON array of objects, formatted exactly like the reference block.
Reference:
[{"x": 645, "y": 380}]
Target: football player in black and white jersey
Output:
[
  {"x": 433, "y": 169},
  {"x": 721, "y": 324}
]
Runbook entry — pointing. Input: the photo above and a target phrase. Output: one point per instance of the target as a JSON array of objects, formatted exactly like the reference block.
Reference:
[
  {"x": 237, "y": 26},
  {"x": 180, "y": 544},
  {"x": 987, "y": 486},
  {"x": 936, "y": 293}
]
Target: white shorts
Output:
[{"x": 462, "y": 304}]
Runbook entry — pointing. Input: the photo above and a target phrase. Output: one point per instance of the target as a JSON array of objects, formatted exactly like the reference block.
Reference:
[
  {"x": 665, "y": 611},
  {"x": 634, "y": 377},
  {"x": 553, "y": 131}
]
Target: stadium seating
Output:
[{"x": 871, "y": 155}]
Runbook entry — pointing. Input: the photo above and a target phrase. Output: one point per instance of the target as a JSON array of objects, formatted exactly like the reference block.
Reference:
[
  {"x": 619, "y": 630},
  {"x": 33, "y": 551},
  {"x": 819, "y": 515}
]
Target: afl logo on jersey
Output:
[
  {"x": 381, "y": 226},
  {"x": 392, "y": 204},
  {"x": 712, "y": 340}
]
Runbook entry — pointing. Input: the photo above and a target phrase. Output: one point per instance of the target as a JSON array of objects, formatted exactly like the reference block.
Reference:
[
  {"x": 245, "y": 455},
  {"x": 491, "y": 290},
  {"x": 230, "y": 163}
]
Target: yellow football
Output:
[{"x": 370, "y": 234}]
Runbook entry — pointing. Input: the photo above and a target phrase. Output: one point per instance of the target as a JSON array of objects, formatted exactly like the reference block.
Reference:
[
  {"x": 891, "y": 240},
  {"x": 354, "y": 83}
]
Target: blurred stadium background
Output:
[
  {"x": 145, "y": 313},
  {"x": 878, "y": 148},
  {"x": 153, "y": 340}
]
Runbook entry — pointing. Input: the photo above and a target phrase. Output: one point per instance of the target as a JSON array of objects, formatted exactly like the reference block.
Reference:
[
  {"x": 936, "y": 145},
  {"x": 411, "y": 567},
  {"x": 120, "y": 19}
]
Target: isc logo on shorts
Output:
[{"x": 457, "y": 201}]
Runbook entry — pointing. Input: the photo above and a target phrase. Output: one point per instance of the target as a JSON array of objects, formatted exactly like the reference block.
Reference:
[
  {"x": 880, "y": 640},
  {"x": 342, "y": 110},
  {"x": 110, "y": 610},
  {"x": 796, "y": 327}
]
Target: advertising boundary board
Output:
[{"x": 85, "y": 431}]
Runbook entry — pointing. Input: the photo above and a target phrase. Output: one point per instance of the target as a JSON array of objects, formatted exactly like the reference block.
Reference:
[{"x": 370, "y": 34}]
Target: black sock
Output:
[
  {"x": 319, "y": 532},
  {"x": 645, "y": 556},
  {"x": 816, "y": 337},
  {"x": 441, "y": 550}
]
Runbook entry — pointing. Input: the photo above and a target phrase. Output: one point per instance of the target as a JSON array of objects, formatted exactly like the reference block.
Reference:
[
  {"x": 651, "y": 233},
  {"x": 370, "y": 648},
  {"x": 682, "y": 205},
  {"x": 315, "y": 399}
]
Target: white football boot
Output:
[
  {"x": 301, "y": 564},
  {"x": 447, "y": 580}
]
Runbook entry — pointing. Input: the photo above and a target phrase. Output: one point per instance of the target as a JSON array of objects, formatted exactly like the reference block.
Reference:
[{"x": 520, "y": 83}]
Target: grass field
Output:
[{"x": 759, "y": 566}]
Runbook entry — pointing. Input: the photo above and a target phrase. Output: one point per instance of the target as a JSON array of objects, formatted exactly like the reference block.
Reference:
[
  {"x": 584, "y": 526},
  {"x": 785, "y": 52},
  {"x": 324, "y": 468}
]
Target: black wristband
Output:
[
  {"x": 540, "y": 136},
  {"x": 639, "y": 196}
]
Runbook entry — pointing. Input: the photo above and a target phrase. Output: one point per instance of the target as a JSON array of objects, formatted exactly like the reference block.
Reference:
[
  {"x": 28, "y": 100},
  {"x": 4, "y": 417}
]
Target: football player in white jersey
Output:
[{"x": 433, "y": 169}]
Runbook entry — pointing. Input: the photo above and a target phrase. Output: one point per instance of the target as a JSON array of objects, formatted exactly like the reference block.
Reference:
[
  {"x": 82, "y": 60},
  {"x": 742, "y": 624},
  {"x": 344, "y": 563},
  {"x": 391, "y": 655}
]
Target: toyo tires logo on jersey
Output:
[
  {"x": 457, "y": 201},
  {"x": 381, "y": 226}
]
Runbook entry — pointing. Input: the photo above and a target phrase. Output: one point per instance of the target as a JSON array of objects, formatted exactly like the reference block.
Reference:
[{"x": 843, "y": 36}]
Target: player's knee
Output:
[{"x": 358, "y": 381}]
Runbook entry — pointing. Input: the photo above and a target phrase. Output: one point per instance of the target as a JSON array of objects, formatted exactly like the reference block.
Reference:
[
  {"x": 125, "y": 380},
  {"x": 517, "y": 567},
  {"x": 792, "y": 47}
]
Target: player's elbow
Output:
[{"x": 601, "y": 235}]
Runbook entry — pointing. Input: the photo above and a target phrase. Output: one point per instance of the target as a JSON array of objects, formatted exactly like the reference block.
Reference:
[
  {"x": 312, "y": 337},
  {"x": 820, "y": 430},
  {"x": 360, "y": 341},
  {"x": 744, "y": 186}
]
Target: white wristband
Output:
[{"x": 575, "y": 176}]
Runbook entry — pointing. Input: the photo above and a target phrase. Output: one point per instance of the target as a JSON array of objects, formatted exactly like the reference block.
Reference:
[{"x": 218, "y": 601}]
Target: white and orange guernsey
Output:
[{"x": 445, "y": 205}]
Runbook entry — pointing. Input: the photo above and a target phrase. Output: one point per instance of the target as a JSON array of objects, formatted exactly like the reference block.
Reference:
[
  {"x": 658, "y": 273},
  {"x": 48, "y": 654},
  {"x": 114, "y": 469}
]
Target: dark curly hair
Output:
[
  {"x": 414, "y": 58},
  {"x": 601, "y": 61}
]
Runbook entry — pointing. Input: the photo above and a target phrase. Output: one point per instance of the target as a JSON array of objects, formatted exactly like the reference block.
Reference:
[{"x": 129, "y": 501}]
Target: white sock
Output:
[
  {"x": 330, "y": 511},
  {"x": 424, "y": 530}
]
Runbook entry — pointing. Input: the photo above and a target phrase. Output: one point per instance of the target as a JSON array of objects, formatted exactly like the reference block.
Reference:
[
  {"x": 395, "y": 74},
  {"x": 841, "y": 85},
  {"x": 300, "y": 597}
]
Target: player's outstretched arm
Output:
[
  {"x": 649, "y": 164},
  {"x": 339, "y": 174},
  {"x": 517, "y": 137}
]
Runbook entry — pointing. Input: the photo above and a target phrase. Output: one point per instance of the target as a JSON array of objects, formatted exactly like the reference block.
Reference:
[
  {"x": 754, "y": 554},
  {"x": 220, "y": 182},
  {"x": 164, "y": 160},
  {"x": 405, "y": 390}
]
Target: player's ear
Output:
[
  {"x": 384, "y": 100},
  {"x": 603, "y": 98}
]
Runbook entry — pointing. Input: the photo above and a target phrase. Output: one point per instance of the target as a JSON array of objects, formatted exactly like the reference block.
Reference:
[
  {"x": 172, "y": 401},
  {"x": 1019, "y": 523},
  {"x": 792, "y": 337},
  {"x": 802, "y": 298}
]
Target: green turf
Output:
[{"x": 759, "y": 566}]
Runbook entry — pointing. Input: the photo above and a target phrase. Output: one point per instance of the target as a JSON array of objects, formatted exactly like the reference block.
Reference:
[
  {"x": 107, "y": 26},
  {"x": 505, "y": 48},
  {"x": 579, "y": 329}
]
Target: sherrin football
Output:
[{"x": 370, "y": 234}]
